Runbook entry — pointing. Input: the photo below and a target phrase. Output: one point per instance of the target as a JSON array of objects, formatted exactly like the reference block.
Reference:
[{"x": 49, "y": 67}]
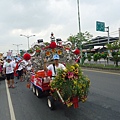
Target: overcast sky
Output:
[{"x": 41, "y": 17}]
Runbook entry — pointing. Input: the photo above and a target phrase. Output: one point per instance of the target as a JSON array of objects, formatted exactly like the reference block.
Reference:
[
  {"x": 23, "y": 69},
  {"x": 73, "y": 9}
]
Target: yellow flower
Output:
[
  {"x": 73, "y": 68},
  {"x": 76, "y": 71},
  {"x": 80, "y": 86},
  {"x": 69, "y": 104},
  {"x": 65, "y": 70},
  {"x": 76, "y": 65},
  {"x": 83, "y": 100},
  {"x": 84, "y": 85},
  {"x": 75, "y": 82},
  {"x": 63, "y": 75}
]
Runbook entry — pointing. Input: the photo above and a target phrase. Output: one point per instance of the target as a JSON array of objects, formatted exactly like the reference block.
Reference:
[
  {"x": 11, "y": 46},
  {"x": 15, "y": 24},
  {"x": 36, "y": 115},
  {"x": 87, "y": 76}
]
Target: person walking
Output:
[
  {"x": 28, "y": 70},
  {"x": 1, "y": 70},
  {"x": 1, "y": 67},
  {"x": 19, "y": 69},
  {"x": 8, "y": 69}
]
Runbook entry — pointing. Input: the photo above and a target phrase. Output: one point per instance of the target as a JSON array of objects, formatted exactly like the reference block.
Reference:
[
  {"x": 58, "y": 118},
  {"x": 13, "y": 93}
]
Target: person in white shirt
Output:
[
  {"x": 28, "y": 70},
  {"x": 8, "y": 68},
  {"x": 29, "y": 65},
  {"x": 21, "y": 70},
  {"x": 53, "y": 67}
]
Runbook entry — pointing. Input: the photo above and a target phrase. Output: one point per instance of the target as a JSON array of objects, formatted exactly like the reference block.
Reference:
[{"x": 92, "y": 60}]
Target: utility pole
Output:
[
  {"x": 27, "y": 36},
  {"x": 119, "y": 35},
  {"x": 17, "y": 47}
]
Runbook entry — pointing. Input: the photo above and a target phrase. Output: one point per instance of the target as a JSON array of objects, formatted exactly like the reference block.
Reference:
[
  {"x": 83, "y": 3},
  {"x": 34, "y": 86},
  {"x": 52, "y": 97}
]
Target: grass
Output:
[{"x": 101, "y": 66}]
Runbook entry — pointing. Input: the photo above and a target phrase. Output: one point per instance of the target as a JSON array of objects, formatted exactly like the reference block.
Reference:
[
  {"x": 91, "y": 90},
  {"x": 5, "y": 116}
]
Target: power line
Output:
[{"x": 114, "y": 31}]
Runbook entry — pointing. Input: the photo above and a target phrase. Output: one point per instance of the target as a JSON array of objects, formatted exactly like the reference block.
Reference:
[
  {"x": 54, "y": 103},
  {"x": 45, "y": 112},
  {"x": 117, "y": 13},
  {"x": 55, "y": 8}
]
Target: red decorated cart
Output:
[{"x": 70, "y": 86}]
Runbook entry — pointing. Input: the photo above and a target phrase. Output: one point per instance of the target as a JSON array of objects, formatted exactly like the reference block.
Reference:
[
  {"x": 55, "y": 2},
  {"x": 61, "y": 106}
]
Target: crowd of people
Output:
[
  {"x": 14, "y": 67},
  {"x": 19, "y": 68}
]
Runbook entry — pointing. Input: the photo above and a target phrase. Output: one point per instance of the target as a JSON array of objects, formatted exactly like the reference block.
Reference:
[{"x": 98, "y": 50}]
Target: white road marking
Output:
[
  {"x": 12, "y": 114},
  {"x": 102, "y": 71}
]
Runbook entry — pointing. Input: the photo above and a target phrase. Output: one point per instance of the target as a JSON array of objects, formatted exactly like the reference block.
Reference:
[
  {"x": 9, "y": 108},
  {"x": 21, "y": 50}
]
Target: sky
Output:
[{"x": 41, "y": 17}]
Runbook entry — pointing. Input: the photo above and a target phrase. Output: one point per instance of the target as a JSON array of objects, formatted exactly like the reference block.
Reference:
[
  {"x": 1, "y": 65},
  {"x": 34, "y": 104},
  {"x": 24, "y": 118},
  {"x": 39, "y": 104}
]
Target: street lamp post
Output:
[
  {"x": 79, "y": 16},
  {"x": 27, "y": 36},
  {"x": 79, "y": 32},
  {"x": 17, "y": 47}
]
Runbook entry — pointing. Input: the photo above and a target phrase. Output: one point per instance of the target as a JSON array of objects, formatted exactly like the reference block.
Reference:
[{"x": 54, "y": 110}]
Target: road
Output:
[{"x": 102, "y": 104}]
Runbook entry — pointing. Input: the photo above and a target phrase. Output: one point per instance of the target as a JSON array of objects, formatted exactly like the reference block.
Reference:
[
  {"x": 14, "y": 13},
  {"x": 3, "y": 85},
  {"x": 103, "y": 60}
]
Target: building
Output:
[{"x": 99, "y": 41}]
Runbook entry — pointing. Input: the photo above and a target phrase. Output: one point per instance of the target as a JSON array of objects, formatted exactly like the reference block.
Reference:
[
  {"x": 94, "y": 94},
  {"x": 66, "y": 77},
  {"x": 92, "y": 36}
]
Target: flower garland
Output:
[{"x": 70, "y": 83}]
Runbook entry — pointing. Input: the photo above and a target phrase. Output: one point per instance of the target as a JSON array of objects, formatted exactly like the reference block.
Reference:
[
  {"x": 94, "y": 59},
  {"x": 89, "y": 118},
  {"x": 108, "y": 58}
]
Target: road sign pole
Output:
[
  {"x": 108, "y": 34},
  {"x": 108, "y": 42}
]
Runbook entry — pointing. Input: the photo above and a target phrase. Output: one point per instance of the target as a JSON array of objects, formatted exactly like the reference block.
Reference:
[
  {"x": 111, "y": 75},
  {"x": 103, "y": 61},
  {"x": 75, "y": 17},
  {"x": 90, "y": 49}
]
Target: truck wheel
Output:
[
  {"x": 34, "y": 89},
  {"x": 50, "y": 102},
  {"x": 39, "y": 93}
]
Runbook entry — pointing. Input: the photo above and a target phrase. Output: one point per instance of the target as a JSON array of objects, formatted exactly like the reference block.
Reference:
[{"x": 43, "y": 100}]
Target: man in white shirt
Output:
[
  {"x": 53, "y": 67},
  {"x": 21, "y": 68},
  {"x": 8, "y": 68},
  {"x": 28, "y": 70}
]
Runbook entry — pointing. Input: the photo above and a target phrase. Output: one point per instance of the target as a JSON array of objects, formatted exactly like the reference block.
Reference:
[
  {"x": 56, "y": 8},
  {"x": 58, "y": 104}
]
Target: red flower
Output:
[
  {"x": 27, "y": 56},
  {"x": 37, "y": 51},
  {"x": 77, "y": 51},
  {"x": 70, "y": 75}
]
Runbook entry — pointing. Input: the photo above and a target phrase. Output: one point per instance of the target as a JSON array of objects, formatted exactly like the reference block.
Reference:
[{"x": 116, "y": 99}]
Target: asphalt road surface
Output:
[{"x": 103, "y": 101}]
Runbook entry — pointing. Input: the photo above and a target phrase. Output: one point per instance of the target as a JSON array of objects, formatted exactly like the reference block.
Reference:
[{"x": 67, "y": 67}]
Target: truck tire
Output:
[
  {"x": 39, "y": 92},
  {"x": 50, "y": 102},
  {"x": 34, "y": 89}
]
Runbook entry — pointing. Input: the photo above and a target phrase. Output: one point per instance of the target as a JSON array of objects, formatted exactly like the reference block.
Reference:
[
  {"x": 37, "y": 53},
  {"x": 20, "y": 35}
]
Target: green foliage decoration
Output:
[{"x": 70, "y": 82}]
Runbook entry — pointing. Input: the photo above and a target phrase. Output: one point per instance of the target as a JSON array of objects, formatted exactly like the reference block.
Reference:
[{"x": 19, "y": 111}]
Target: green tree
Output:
[
  {"x": 89, "y": 57},
  {"x": 96, "y": 57},
  {"x": 46, "y": 43},
  {"x": 79, "y": 39},
  {"x": 22, "y": 52},
  {"x": 72, "y": 39},
  {"x": 115, "y": 48},
  {"x": 83, "y": 38},
  {"x": 104, "y": 56}
]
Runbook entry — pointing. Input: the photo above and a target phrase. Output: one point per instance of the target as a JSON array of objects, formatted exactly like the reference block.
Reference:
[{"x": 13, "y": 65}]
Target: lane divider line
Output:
[{"x": 12, "y": 114}]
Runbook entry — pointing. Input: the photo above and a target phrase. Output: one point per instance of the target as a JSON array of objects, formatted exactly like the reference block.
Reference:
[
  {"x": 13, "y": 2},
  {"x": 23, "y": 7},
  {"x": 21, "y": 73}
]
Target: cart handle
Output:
[{"x": 60, "y": 96}]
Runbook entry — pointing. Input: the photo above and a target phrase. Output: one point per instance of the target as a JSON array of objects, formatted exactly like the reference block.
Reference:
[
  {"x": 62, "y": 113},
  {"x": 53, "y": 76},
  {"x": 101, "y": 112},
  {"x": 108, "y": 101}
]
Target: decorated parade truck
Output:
[{"x": 70, "y": 86}]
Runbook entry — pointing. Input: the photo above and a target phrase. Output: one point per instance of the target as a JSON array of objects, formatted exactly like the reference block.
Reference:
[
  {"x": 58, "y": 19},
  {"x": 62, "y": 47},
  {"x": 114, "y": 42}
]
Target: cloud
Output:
[{"x": 41, "y": 17}]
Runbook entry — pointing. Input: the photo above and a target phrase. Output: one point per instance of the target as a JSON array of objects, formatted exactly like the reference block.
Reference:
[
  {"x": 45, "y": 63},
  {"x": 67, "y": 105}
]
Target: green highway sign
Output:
[{"x": 100, "y": 26}]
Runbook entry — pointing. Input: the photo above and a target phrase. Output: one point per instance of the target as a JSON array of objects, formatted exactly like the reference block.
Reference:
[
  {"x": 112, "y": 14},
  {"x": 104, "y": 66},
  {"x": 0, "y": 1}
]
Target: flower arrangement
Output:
[
  {"x": 47, "y": 53},
  {"x": 27, "y": 56},
  {"x": 70, "y": 83},
  {"x": 59, "y": 52}
]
